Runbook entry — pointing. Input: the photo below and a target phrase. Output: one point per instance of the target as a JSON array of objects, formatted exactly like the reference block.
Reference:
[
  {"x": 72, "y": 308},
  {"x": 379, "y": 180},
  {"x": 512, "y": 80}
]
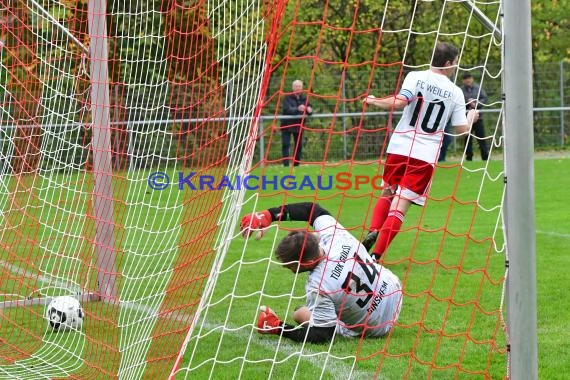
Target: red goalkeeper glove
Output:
[
  {"x": 256, "y": 221},
  {"x": 268, "y": 322}
]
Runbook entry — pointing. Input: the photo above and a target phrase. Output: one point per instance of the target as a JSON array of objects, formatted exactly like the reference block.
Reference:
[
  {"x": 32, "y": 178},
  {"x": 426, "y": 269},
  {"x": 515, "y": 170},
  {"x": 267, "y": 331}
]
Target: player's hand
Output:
[
  {"x": 369, "y": 99},
  {"x": 268, "y": 322},
  {"x": 255, "y": 222},
  {"x": 309, "y": 109},
  {"x": 301, "y": 108},
  {"x": 472, "y": 116}
]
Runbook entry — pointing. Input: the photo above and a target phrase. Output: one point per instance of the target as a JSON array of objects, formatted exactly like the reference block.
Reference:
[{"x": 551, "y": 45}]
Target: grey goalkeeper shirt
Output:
[{"x": 348, "y": 289}]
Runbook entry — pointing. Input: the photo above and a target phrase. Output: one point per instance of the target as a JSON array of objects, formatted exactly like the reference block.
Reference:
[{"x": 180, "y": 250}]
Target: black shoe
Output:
[{"x": 370, "y": 239}]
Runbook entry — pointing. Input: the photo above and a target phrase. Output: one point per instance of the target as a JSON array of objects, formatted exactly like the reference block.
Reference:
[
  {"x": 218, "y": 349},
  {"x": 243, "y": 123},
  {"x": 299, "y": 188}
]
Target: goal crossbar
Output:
[{"x": 479, "y": 15}]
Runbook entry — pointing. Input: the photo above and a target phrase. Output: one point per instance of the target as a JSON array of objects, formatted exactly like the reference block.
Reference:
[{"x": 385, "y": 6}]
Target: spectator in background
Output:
[
  {"x": 475, "y": 97},
  {"x": 294, "y": 104}
]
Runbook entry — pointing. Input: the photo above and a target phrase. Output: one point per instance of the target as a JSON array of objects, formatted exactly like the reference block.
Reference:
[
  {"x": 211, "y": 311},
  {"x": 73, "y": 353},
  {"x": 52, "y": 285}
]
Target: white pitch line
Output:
[
  {"x": 41, "y": 278},
  {"x": 552, "y": 233},
  {"x": 333, "y": 366}
]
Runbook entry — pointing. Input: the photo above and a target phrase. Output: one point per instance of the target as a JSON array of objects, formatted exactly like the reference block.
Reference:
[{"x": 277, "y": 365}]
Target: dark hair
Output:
[
  {"x": 467, "y": 76},
  {"x": 444, "y": 52},
  {"x": 297, "y": 246}
]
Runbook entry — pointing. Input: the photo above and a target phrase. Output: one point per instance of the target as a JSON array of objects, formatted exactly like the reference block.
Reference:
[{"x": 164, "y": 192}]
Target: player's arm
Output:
[
  {"x": 304, "y": 211},
  {"x": 472, "y": 117},
  {"x": 387, "y": 103},
  {"x": 269, "y": 323},
  {"x": 310, "y": 334},
  {"x": 460, "y": 118},
  {"x": 314, "y": 328},
  {"x": 397, "y": 102}
]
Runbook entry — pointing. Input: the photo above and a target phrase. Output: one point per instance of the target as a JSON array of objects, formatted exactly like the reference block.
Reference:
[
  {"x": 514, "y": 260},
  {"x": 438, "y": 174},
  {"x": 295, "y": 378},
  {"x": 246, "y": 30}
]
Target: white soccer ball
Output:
[{"x": 64, "y": 313}]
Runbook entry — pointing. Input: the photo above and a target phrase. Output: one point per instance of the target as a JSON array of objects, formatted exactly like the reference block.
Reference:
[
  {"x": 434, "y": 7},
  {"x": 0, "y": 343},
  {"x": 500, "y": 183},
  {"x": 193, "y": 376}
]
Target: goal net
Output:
[{"x": 126, "y": 133}]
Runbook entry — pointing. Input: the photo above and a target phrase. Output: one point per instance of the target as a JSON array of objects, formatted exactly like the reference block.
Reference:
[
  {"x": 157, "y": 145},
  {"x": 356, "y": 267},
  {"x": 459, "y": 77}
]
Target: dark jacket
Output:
[
  {"x": 290, "y": 108},
  {"x": 474, "y": 92}
]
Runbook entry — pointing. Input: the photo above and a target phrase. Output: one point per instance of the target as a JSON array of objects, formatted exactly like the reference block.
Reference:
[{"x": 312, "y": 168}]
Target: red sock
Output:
[
  {"x": 389, "y": 231},
  {"x": 380, "y": 213}
]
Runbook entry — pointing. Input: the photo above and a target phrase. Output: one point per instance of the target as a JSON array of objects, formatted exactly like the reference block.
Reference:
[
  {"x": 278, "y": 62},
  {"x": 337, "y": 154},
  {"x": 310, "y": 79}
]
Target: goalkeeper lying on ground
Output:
[{"x": 347, "y": 292}]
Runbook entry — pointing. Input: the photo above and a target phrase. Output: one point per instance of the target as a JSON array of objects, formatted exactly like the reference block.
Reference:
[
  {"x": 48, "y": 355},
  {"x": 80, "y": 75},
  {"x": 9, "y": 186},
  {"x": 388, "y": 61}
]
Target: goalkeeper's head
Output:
[{"x": 299, "y": 251}]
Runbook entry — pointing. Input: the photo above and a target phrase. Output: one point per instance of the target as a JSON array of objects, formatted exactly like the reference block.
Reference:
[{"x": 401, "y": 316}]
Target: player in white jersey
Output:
[
  {"x": 429, "y": 100},
  {"x": 347, "y": 292}
]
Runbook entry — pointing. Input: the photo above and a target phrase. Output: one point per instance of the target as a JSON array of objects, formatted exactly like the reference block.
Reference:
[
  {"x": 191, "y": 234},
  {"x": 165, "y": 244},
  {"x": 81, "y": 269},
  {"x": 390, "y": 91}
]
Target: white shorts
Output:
[{"x": 406, "y": 194}]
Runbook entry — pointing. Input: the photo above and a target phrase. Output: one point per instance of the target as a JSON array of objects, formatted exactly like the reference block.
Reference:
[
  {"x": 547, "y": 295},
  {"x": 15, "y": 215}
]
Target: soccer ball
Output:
[{"x": 64, "y": 313}]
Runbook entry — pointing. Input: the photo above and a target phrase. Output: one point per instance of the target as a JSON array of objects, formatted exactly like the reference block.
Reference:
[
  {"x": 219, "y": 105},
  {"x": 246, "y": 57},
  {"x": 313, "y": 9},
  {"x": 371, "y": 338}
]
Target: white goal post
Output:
[{"x": 519, "y": 198}]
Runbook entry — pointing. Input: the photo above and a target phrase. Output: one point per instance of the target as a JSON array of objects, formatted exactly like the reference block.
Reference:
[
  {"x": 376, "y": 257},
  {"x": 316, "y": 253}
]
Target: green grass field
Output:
[
  {"x": 449, "y": 326},
  {"x": 449, "y": 258}
]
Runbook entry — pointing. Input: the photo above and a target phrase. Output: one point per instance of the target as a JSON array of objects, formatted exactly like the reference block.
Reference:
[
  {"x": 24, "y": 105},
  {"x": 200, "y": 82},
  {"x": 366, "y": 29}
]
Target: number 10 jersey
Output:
[{"x": 433, "y": 99}]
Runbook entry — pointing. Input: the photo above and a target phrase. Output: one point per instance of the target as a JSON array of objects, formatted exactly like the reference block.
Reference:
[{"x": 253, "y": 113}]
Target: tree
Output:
[{"x": 550, "y": 39}]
